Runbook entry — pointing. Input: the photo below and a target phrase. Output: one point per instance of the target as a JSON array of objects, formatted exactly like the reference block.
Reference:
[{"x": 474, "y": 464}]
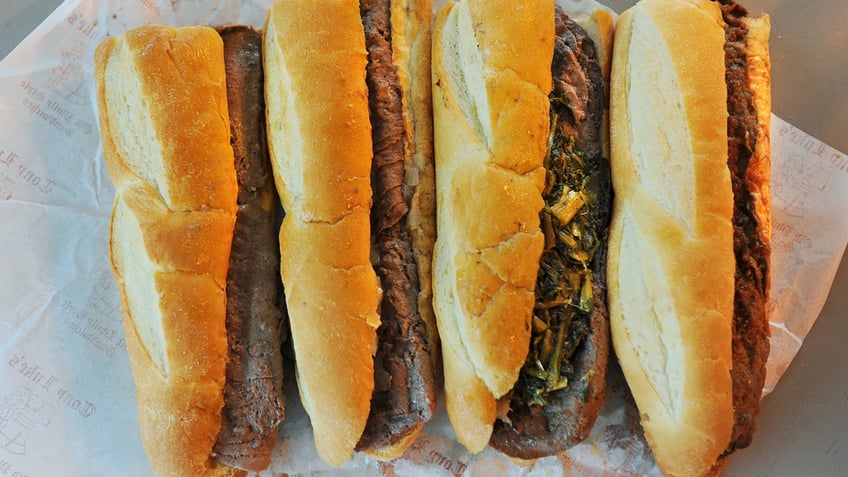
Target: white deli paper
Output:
[{"x": 67, "y": 403}]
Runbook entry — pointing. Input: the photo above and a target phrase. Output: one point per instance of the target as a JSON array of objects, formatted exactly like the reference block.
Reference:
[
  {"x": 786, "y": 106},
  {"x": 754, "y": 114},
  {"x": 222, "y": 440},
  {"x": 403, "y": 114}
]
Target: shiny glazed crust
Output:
[
  {"x": 320, "y": 143},
  {"x": 491, "y": 79},
  {"x": 671, "y": 259},
  {"x": 175, "y": 196}
]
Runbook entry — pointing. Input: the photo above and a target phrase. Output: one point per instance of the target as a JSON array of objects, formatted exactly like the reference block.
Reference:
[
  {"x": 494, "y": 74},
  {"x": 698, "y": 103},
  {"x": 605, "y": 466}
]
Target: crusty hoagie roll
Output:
[
  {"x": 689, "y": 244},
  {"x": 562, "y": 385},
  {"x": 179, "y": 212},
  {"x": 491, "y": 79},
  {"x": 349, "y": 130},
  {"x": 520, "y": 156}
]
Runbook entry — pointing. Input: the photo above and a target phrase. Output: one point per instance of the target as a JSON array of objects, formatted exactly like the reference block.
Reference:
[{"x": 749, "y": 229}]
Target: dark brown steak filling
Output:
[
  {"x": 562, "y": 386},
  {"x": 404, "y": 387},
  {"x": 253, "y": 394},
  {"x": 750, "y": 322}
]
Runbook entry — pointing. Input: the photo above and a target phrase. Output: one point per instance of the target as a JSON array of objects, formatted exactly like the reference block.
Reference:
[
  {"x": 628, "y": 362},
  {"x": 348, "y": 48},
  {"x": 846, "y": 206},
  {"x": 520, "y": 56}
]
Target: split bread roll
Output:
[
  {"x": 688, "y": 311},
  {"x": 562, "y": 386},
  {"x": 175, "y": 195},
  {"x": 350, "y": 132},
  {"x": 358, "y": 197},
  {"x": 491, "y": 79},
  {"x": 320, "y": 142},
  {"x": 524, "y": 195}
]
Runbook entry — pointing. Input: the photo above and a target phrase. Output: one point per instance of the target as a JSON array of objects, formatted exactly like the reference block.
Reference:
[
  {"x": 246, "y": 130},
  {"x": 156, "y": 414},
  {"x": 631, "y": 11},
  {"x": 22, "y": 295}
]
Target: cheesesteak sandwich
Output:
[
  {"x": 523, "y": 199},
  {"x": 193, "y": 245},
  {"x": 688, "y": 267},
  {"x": 349, "y": 129},
  {"x": 562, "y": 384}
]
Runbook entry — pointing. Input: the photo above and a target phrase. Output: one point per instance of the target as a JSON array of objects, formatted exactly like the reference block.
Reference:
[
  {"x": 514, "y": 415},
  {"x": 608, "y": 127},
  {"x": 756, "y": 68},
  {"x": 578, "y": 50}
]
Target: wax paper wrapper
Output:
[{"x": 67, "y": 400}]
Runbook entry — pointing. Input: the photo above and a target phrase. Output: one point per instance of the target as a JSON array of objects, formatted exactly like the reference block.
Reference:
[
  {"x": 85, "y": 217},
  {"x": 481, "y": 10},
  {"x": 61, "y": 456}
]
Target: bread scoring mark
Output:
[
  {"x": 138, "y": 149},
  {"x": 662, "y": 155},
  {"x": 465, "y": 60},
  {"x": 283, "y": 122},
  {"x": 490, "y": 99},
  {"x": 651, "y": 319},
  {"x": 144, "y": 181},
  {"x": 135, "y": 266}
]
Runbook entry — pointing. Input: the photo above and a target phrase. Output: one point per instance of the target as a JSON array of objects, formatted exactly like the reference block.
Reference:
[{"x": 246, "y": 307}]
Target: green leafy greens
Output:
[{"x": 564, "y": 291}]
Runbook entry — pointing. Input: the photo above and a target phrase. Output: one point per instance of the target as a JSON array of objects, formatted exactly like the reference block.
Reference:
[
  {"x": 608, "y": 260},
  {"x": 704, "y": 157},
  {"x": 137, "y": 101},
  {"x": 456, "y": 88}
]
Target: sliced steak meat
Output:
[
  {"x": 253, "y": 393},
  {"x": 404, "y": 384},
  {"x": 750, "y": 321}
]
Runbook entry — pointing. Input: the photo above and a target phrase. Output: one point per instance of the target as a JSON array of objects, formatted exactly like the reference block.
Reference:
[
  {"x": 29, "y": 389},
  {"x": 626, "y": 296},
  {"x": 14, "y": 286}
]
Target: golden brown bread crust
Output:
[
  {"x": 175, "y": 196},
  {"x": 759, "y": 168},
  {"x": 671, "y": 259},
  {"x": 183, "y": 185},
  {"x": 491, "y": 78},
  {"x": 320, "y": 143},
  {"x": 393, "y": 451}
]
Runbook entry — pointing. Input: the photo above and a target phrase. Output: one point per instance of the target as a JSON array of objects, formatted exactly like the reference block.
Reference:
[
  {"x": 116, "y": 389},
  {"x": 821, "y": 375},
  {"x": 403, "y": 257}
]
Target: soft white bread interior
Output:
[
  {"x": 166, "y": 142},
  {"x": 671, "y": 261},
  {"x": 491, "y": 80},
  {"x": 320, "y": 143}
]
